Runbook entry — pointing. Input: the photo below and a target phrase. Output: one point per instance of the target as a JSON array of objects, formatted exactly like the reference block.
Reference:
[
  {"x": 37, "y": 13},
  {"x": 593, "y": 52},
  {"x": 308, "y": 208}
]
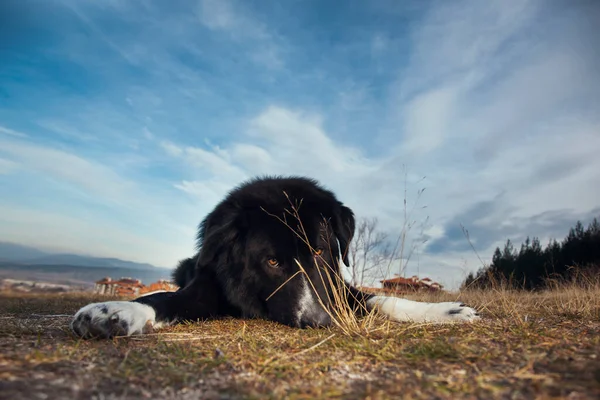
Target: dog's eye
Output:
[
  {"x": 273, "y": 262},
  {"x": 318, "y": 251}
]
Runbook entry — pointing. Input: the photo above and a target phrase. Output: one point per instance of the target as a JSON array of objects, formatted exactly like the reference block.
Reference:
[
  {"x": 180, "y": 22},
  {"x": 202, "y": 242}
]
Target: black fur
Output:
[{"x": 230, "y": 274}]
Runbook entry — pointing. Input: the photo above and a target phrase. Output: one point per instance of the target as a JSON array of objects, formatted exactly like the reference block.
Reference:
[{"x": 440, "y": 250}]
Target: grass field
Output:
[{"x": 528, "y": 346}]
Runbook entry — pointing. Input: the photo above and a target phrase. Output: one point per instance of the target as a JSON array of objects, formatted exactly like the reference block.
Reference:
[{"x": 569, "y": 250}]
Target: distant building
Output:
[
  {"x": 103, "y": 286},
  {"x": 412, "y": 284},
  {"x": 130, "y": 287},
  {"x": 160, "y": 285}
]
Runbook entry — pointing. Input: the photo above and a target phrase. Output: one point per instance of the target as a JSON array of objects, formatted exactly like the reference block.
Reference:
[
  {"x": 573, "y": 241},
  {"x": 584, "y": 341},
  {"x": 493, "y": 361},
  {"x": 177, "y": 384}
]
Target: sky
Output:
[{"x": 124, "y": 122}]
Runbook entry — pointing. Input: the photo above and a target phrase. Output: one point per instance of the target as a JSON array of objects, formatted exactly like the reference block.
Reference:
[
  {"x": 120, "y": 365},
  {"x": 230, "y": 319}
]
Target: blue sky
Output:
[{"x": 122, "y": 123}]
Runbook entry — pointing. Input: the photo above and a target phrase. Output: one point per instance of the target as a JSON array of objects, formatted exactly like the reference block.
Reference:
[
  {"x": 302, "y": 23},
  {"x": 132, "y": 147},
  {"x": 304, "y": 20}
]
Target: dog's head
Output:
[{"x": 276, "y": 246}]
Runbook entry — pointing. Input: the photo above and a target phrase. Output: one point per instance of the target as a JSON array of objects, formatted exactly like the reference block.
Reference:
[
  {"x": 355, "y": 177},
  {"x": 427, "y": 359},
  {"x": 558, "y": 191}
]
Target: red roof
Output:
[
  {"x": 128, "y": 285},
  {"x": 413, "y": 281},
  {"x": 399, "y": 279}
]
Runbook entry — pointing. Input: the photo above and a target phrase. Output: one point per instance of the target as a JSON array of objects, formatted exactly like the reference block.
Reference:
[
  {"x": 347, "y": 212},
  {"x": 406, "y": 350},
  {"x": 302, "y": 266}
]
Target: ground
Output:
[{"x": 528, "y": 346}]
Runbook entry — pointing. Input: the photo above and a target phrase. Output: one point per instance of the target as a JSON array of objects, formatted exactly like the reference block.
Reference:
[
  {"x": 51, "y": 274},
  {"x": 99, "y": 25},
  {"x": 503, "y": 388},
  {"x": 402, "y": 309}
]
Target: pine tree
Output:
[{"x": 530, "y": 267}]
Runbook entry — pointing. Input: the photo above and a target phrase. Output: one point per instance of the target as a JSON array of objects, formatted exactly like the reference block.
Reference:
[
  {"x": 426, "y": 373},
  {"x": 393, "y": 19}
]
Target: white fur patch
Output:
[
  {"x": 416, "y": 311},
  {"x": 307, "y": 302},
  {"x": 113, "y": 318}
]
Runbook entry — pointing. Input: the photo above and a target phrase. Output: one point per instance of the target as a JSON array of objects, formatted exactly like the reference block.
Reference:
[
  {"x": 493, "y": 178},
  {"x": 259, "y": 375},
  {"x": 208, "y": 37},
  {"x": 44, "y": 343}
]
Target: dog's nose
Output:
[{"x": 315, "y": 320}]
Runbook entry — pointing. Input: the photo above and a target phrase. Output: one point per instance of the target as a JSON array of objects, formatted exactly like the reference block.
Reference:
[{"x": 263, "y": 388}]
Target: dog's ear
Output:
[
  {"x": 215, "y": 234},
  {"x": 343, "y": 227}
]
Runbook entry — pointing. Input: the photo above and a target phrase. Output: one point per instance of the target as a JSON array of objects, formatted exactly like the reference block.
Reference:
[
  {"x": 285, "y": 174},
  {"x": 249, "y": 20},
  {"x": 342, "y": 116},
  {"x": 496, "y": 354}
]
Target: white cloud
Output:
[
  {"x": 252, "y": 158},
  {"x": 277, "y": 141},
  {"x": 68, "y": 167},
  {"x": 463, "y": 56},
  {"x": 215, "y": 161},
  {"x": 65, "y": 130},
  {"x": 147, "y": 133},
  {"x": 493, "y": 94},
  {"x": 283, "y": 141},
  {"x": 234, "y": 19},
  {"x": 534, "y": 94},
  {"x": 171, "y": 149},
  {"x": 11, "y": 132},
  {"x": 379, "y": 44},
  {"x": 74, "y": 7},
  {"x": 458, "y": 38},
  {"x": 298, "y": 140},
  {"x": 209, "y": 192},
  {"x": 427, "y": 125},
  {"x": 269, "y": 56},
  {"x": 7, "y": 166},
  {"x": 217, "y": 14}
]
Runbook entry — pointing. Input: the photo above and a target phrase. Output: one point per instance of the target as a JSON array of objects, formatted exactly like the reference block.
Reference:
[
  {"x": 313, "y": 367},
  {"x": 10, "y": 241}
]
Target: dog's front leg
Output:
[
  {"x": 399, "y": 309},
  {"x": 124, "y": 318},
  {"x": 202, "y": 298},
  {"x": 146, "y": 313}
]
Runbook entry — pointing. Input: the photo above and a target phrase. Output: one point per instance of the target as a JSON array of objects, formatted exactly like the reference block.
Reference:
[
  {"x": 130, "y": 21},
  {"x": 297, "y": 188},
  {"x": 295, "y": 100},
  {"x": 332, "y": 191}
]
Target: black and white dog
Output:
[{"x": 251, "y": 249}]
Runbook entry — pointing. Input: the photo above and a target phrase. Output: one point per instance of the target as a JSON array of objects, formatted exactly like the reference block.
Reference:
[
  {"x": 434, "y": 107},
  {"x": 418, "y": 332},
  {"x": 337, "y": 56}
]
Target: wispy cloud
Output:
[
  {"x": 65, "y": 130},
  {"x": 95, "y": 178},
  {"x": 225, "y": 15},
  {"x": 12, "y": 132},
  {"x": 276, "y": 141},
  {"x": 7, "y": 166},
  {"x": 229, "y": 17}
]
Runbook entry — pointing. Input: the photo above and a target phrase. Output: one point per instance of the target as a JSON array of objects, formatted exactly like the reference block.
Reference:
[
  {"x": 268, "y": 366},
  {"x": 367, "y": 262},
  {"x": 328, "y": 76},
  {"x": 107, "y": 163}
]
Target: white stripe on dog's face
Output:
[
  {"x": 306, "y": 300},
  {"x": 310, "y": 312}
]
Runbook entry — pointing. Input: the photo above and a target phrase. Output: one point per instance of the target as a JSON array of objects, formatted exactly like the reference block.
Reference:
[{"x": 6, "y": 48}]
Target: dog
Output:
[{"x": 271, "y": 249}]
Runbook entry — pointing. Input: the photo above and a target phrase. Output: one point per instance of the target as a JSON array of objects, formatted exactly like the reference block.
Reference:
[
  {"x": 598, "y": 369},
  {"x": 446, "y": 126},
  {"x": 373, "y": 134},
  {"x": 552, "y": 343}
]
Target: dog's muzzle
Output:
[
  {"x": 315, "y": 319},
  {"x": 310, "y": 312}
]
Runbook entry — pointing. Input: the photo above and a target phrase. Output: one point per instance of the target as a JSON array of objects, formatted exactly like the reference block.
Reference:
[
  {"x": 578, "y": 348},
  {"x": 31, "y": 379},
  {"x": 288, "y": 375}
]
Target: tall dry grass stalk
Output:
[{"x": 400, "y": 251}]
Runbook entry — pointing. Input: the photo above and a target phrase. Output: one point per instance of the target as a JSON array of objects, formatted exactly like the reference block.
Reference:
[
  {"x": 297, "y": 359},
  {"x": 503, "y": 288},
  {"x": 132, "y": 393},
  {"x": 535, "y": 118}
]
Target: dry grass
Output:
[{"x": 529, "y": 345}]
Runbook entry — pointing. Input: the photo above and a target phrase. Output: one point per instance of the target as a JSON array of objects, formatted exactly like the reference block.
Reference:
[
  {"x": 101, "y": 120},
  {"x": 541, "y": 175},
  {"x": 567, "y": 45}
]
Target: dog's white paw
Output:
[
  {"x": 452, "y": 312},
  {"x": 113, "y": 318},
  {"x": 399, "y": 309}
]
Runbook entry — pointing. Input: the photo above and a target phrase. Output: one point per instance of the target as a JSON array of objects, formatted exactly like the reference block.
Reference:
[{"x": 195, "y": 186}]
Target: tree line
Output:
[{"x": 532, "y": 267}]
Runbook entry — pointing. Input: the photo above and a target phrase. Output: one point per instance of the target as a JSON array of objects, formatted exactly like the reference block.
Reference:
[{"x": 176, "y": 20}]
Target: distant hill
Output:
[
  {"x": 16, "y": 252},
  {"x": 78, "y": 276},
  {"x": 25, "y": 255},
  {"x": 85, "y": 261},
  {"x": 24, "y": 262}
]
